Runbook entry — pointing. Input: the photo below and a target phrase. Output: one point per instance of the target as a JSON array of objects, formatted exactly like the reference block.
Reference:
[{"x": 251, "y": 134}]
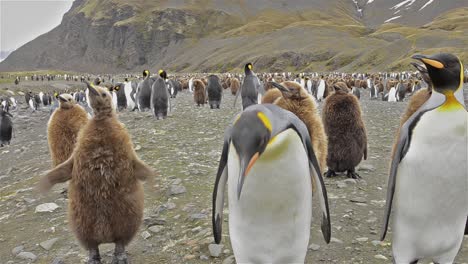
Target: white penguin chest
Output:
[{"x": 271, "y": 220}]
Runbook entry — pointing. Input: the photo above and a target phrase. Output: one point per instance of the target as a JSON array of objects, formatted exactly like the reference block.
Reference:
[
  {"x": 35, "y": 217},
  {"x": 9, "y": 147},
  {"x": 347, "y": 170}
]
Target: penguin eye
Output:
[{"x": 103, "y": 95}]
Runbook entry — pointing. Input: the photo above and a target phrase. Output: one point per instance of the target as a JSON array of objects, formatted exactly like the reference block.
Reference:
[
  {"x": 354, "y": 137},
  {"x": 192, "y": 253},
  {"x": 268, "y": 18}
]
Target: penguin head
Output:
[
  {"x": 97, "y": 81},
  {"x": 250, "y": 136},
  {"x": 445, "y": 71},
  {"x": 162, "y": 74},
  {"x": 100, "y": 99},
  {"x": 66, "y": 101},
  {"x": 248, "y": 68},
  {"x": 146, "y": 73},
  {"x": 291, "y": 90}
]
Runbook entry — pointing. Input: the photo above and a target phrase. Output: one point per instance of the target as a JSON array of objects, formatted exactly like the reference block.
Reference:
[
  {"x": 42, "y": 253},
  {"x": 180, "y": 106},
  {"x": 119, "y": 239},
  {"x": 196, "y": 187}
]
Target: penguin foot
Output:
[
  {"x": 330, "y": 174},
  {"x": 120, "y": 259},
  {"x": 94, "y": 257},
  {"x": 353, "y": 175}
]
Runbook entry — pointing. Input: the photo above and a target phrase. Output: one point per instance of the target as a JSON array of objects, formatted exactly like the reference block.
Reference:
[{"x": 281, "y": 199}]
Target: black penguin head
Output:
[
  {"x": 163, "y": 74},
  {"x": 97, "y": 81},
  {"x": 146, "y": 73},
  {"x": 66, "y": 101},
  {"x": 444, "y": 69},
  {"x": 250, "y": 136},
  {"x": 248, "y": 68}
]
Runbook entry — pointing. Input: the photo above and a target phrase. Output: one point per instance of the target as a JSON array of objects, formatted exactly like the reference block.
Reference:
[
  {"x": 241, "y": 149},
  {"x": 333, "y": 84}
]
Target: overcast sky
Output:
[{"x": 23, "y": 20}]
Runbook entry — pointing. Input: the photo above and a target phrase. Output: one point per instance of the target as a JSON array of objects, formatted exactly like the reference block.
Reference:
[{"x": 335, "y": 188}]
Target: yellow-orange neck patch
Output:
[
  {"x": 451, "y": 103},
  {"x": 265, "y": 120}
]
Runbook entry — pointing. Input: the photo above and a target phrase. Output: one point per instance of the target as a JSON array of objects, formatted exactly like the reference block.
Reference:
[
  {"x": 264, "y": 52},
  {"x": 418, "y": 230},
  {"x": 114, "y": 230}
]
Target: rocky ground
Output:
[{"x": 184, "y": 149}]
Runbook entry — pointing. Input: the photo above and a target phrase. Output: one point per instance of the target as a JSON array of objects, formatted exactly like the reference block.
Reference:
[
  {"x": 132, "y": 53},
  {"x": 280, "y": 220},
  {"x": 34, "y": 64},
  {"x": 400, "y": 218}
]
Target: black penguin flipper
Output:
[
  {"x": 316, "y": 176},
  {"x": 219, "y": 188},
  {"x": 403, "y": 144}
]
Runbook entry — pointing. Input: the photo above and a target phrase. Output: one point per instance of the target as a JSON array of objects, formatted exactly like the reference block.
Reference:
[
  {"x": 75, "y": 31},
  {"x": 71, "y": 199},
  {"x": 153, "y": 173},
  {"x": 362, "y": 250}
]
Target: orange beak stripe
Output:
[
  {"x": 433, "y": 63},
  {"x": 251, "y": 163}
]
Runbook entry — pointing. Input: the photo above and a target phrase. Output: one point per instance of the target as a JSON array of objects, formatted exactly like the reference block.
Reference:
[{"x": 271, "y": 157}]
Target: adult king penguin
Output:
[
  {"x": 250, "y": 89},
  {"x": 272, "y": 169},
  {"x": 428, "y": 173}
]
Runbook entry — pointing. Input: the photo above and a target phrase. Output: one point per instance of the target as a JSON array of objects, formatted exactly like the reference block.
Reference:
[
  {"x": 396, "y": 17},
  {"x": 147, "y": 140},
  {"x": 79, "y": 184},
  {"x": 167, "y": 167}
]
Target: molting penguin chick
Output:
[
  {"x": 293, "y": 97},
  {"x": 270, "y": 164},
  {"x": 105, "y": 192},
  {"x": 6, "y": 127},
  {"x": 428, "y": 170},
  {"x": 214, "y": 91},
  {"x": 63, "y": 127},
  {"x": 234, "y": 85},
  {"x": 347, "y": 139}
]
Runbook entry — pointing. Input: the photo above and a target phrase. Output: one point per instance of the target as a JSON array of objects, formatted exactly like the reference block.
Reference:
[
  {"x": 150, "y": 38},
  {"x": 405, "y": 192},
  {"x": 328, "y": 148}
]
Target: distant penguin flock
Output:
[{"x": 278, "y": 154}]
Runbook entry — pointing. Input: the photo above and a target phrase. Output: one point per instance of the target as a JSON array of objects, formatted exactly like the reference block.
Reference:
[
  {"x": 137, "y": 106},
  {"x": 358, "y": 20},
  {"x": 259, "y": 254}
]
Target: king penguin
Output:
[
  {"x": 250, "y": 88},
  {"x": 128, "y": 95},
  {"x": 144, "y": 92},
  {"x": 271, "y": 170},
  {"x": 6, "y": 127},
  {"x": 427, "y": 185}
]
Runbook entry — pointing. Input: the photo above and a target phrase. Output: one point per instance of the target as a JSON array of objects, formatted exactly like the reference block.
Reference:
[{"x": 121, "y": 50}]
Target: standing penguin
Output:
[
  {"x": 63, "y": 127},
  {"x": 128, "y": 89},
  {"x": 250, "y": 87},
  {"x": 321, "y": 89},
  {"x": 235, "y": 85},
  {"x": 429, "y": 170},
  {"x": 215, "y": 91},
  {"x": 144, "y": 92},
  {"x": 356, "y": 92},
  {"x": 199, "y": 92},
  {"x": 114, "y": 97},
  {"x": 347, "y": 139},
  {"x": 105, "y": 193},
  {"x": 6, "y": 127},
  {"x": 159, "y": 99},
  {"x": 400, "y": 92},
  {"x": 269, "y": 187},
  {"x": 392, "y": 95},
  {"x": 119, "y": 90}
]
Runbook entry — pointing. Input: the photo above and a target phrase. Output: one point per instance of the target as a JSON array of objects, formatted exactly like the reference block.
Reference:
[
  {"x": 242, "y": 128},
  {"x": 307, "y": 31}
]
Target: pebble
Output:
[
  {"x": 362, "y": 239},
  {"x": 46, "y": 207},
  {"x": 17, "y": 250},
  {"x": 57, "y": 261},
  {"x": 145, "y": 234},
  {"x": 375, "y": 242},
  {"x": 358, "y": 200},
  {"x": 155, "y": 229},
  {"x": 215, "y": 249},
  {"x": 47, "y": 245},
  {"x": 341, "y": 184},
  {"x": 366, "y": 167},
  {"x": 229, "y": 260},
  {"x": 372, "y": 220},
  {"x": 27, "y": 255},
  {"x": 382, "y": 257},
  {"x": 170, "y": 205},
  {"x": 314, "y": 247},
  {"x": 350, "y": 181},
  {"x": 197, "y": 216},
  {"x": 204, "y": 257},
  {"x": 336, "y": 240},
  {"x": 189, "y": 257},
  {"x": 177, "y": 189}
]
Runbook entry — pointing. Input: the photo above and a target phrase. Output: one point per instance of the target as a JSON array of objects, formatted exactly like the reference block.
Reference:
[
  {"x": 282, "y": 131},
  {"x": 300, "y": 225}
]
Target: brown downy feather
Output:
[
  {"x": 63, "y": 128},
  {"x": 199, "y": 92},
  {"x": 347, "y": 139},
  {"x": 271, "y": 95},
  {"x": 303, "y": 106},
  {"x": 235, "y": 86},
  {"x": 105, "y": 193}
]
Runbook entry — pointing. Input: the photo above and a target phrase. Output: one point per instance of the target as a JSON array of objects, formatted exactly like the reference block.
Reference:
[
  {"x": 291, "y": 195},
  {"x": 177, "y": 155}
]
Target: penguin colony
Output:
[{"x": 274, "y": 150}]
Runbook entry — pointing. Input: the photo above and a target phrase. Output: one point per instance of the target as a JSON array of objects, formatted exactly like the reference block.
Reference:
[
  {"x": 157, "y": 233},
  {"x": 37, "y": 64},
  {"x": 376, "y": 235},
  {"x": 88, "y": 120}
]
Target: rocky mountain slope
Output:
[{"x": 221, "y": 35}]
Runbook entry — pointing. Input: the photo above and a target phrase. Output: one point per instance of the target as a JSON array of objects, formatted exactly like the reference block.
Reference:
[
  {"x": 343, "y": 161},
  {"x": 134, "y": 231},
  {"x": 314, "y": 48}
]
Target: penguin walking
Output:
[
  {"x": 427, "y": 185},
  {"x": 250, "y": 88},
  {"x": 269, "y": 187},
  {"x": 144, "y": 92},
  {"x": 6, "y": 127},
  {"x": 63, "y": 127},
  {"x": 159, "y": 99},
  {"x": 347, "y": 138},
  {"x": 215, "y": 91},
  {"x": 105, "y": 191}
]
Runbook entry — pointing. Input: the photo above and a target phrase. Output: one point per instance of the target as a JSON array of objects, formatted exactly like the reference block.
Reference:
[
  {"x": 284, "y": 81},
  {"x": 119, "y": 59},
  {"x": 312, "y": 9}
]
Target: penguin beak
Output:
[
  {"x": 429, "y": 61},
  {"x": 92, "y": 90},
  {"x": 62, "y": 99},
  {"x": 245, "y": 169}
]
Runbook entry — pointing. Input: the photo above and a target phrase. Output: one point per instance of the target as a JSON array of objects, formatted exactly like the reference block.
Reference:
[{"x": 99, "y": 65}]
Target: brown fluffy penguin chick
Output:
[
  {"x": 271, "y": 95},
  {"x": 235, "y": 86},
  {"x": 105, "y": 192},
  {"x": 63, "y": 128},
  {"x": 296, "y": 100},
  {"x": 199, "y": 92},
  {"x": 347, "y": 139}
]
